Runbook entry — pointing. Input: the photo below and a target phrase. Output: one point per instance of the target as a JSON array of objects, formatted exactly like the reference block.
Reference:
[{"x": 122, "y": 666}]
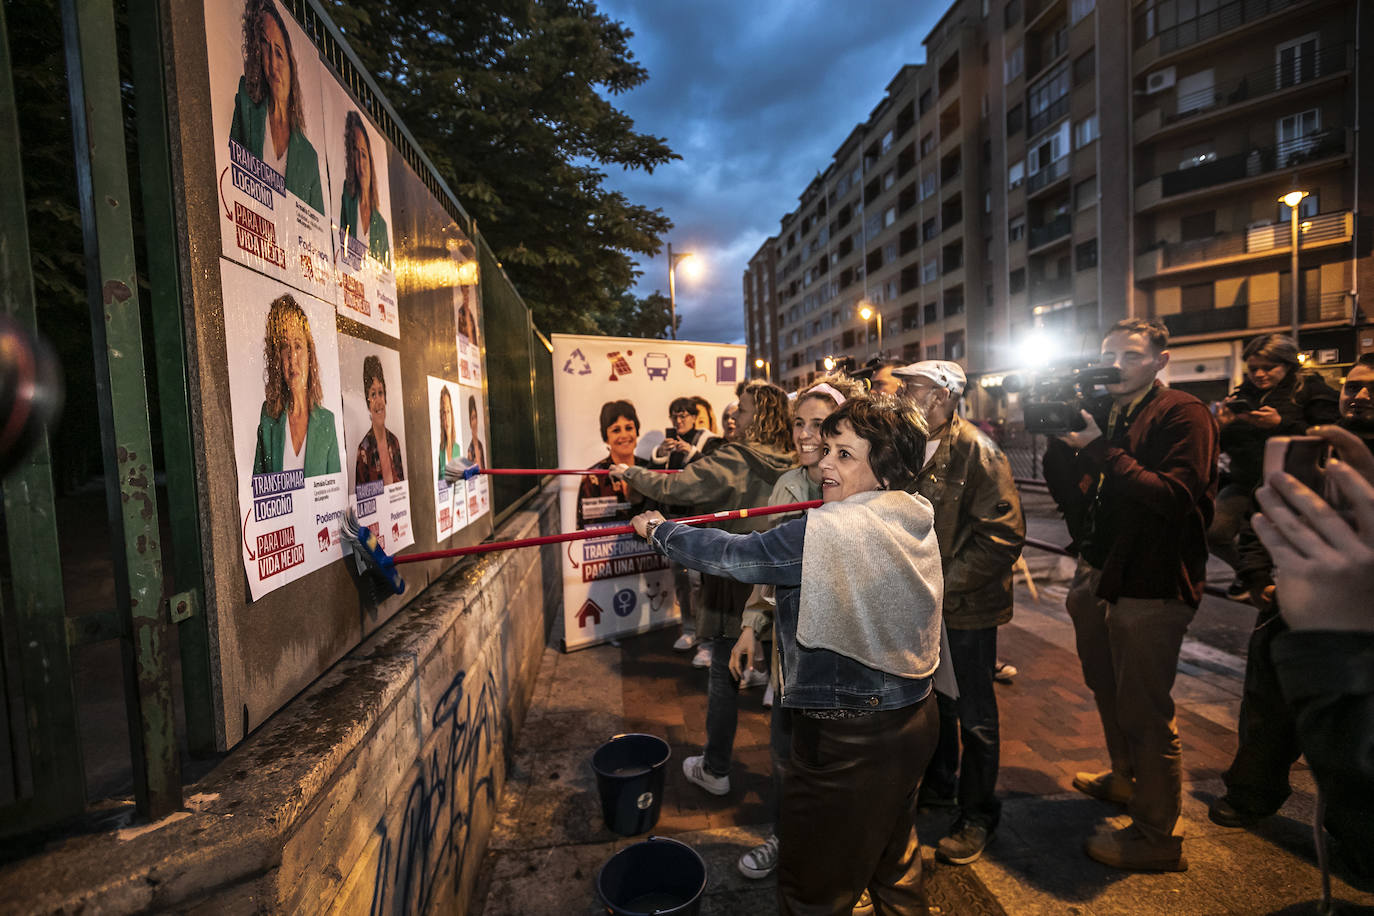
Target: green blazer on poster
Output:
[
  {"x": 249, "y": 128},
  {"x": 378, "y": 246},
  {"x": 321, "y": 444}
]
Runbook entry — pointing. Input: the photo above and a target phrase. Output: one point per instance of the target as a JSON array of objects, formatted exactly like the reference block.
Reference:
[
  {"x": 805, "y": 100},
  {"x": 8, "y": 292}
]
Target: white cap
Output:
[{"x": 940, "y": 371}]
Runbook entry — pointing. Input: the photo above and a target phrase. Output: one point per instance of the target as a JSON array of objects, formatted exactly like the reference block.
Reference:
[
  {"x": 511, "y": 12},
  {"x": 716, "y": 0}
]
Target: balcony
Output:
[
  {"x": 1047, "y": 176},
  {"x": 1055, "y": 290},
  {"x": 1058, "y": 109},
  {"x": 1207, "y": 321},
  {"x": 1254, "y": 88},
  {"x": 1328, "y": 307},
  {"x": 1255, "y": 243},
  {"x": 1312, "y": 148},
  {"x": 1205, "y": 26},
  {"x": 1055, "y": 229}
]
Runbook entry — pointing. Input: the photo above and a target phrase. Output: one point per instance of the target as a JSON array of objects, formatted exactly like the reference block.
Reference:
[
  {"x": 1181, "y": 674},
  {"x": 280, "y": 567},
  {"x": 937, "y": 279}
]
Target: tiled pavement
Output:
[{"x": 549, "y": 839}]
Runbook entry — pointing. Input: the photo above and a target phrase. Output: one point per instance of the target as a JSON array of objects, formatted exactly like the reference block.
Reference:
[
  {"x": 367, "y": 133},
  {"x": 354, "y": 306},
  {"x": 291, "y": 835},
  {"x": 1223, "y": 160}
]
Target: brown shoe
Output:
[
  {"x": 1130, "y": 849},
  {"x": 1109, "y": 786}
]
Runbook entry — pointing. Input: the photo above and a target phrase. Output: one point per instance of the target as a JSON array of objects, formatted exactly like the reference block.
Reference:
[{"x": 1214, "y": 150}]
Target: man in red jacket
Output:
[{"x": 1136, "y": 487}]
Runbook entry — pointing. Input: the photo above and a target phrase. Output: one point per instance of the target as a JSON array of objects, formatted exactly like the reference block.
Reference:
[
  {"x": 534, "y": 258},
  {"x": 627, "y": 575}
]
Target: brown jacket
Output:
[{"x": 978, "y": 522}]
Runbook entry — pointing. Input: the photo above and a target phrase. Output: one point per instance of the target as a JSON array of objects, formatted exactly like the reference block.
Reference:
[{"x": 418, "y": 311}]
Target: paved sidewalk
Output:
[{"x": 549, "y": 840}]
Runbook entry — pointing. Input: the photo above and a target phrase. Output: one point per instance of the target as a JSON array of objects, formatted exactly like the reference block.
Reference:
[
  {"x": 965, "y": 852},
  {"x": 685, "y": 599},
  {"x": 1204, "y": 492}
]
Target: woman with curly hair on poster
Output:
[
  {"x": 295, "y": 430},
  {"x": 359, "y": 216}
]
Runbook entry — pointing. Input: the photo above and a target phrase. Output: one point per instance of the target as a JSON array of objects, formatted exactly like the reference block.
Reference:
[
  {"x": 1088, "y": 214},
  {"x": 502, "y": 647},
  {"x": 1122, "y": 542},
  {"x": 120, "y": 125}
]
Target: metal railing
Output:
[
  {"x": 1043, "y": 119},
  {"x": 1258, "y": 161},
  {"x": 1051, "y": 173},
  {"x": 1267, "y": 238},
  {"x": 1263, "y": 81},
  {"x": 1055, "y": 229},
  {"x": 1204, "y": 26}
]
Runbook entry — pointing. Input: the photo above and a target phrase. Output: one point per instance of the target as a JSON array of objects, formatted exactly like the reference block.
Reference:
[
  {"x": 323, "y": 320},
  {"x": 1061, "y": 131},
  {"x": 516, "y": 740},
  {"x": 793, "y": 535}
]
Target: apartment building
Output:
[
  {"x": 1056, "y": 165},
  {"x": 761, "y": 310}
]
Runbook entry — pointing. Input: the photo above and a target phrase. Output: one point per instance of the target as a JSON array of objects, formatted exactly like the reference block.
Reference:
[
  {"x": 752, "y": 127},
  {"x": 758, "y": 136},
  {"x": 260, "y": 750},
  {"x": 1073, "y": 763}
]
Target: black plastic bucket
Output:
[
  {"x": 658, "y": 877},
  {"x": 629, "y": 775}
]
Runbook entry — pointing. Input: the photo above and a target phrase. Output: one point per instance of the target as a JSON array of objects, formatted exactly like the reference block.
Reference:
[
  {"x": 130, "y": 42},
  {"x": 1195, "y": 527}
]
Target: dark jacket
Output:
[
  {"x": 1302, "y": 399},
  {"x": 1145, "y": 526},
  {"x": 810, "y": 678},
  {"x": 979, "y": 524}
]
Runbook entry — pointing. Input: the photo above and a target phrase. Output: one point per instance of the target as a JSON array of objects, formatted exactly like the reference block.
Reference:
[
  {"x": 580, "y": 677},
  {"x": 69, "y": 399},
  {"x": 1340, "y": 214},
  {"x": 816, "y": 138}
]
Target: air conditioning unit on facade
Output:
[{"x": 1159, "y": 81}]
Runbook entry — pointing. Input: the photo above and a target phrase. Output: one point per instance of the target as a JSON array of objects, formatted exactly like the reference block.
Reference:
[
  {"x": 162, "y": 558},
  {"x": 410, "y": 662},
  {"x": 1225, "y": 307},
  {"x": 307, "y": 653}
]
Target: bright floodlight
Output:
[{"x": 829, "y": 363}]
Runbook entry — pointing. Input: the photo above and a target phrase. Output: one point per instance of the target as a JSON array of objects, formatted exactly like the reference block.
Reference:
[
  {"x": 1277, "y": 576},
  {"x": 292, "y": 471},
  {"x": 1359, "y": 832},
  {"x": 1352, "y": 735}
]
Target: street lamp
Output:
[
  {"x": 1293, "y": 198},
  {"x": 767, "y": 367},
  {"x": 866, "y": 312},
  {"x": 673, "y": 261}
]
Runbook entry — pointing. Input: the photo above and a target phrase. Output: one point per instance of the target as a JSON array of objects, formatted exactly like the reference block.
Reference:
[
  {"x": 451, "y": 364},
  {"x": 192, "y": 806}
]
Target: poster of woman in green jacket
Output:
[
  {"x": 295, "y": 429},
  {"x": 268, "y": 116},
  {"x": 359, "y": 213}
]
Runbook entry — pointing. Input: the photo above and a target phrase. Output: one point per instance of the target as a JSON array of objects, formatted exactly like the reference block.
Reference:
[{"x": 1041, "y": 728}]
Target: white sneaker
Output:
[
  {"x": 694, "y": 768},
  {"x": 760, "y": 861},
  {"x": 685, "y": 642},
  {"x": 753, "y": 678},
  {"x": 768, "y": 696},
  {"x": 703, "y": 658},
  {"x": 1004, "y": 672}
]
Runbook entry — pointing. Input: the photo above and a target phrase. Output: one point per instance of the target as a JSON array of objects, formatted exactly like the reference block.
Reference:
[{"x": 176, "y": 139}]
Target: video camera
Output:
[{"x": 1054, "y": 401}]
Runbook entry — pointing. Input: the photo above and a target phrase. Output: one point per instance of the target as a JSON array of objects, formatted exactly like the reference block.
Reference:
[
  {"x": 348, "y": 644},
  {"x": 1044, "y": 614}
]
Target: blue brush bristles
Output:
[{"x": 383, "y": 564}]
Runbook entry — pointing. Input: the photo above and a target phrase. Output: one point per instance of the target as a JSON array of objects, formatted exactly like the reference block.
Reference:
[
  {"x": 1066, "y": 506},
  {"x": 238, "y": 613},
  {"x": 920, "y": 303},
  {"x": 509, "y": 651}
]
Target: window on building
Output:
[
  {"x": 954, "y": 345},
  {"x": 927, "y": 99},
  {"x": 1084, "y": 68},
  {"x": 1199, "y": 297},
  {"x": 933, "y": 351},
  {"x": 1015, "y": 119},
  {"x": 1296, "y": 61},
  {"x": 1050, "y": 149},
  {"x": 1080, "y": 8},
  {"x": 929, "y": 315},
  {"x": 889, "y": 178},
  {"x": 1197, "y": 226},
  {"x": 1297, "y": 133},
  {"x": 1011, "y": 13},
  {"x": 1014, "y": 64},
  {"x": 1017, "y": 280},
  {"x": 1016, "y": 174},
  {"x": 889, "y": 216},
  {"x": 1085, "y": 131},
  {"x": 929, "y": 229},
  {"x": 928, "y": 184},
  {"x": 1016, "y": 228},
  {"x": 873, "y": 225},
  {"x": 1195, "y": 92},
  {"x": 887, "y": 140},
  {"x": 1085, "y": 193},
  {"x": 1047, "y": 100},
  {"x": 1085, "y": 254},
  {"x": 927, "y": 143},
  {"x": 930, "y": 271}
]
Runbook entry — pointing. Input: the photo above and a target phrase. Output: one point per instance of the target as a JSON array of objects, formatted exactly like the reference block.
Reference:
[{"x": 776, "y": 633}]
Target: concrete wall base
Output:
[{"x": 374, "y": 791}]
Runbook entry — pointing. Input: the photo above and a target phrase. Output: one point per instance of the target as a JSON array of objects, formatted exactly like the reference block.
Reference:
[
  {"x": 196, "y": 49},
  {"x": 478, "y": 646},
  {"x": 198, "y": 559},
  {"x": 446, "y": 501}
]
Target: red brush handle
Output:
[
  {"x": 585, "y": 533},
  {"x": 585, "y": 472}
]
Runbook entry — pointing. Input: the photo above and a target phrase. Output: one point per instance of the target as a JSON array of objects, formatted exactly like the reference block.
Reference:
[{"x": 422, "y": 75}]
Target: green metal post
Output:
[
  {"x": 103, "y": 187},
  {"x": 164, "y": 279},
  {"x": 49, "y": 699}
]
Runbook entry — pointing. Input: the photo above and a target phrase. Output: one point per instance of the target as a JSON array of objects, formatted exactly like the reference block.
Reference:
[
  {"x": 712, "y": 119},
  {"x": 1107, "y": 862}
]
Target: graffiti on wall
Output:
[{"x": 430, "y": 841}]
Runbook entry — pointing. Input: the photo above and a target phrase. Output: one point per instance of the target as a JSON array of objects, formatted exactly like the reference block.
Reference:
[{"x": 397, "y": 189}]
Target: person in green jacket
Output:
[
  {"x": 268, "y": 116},
  {"x": 295, "y": 430},
  {"x": 358, "y": 213}
]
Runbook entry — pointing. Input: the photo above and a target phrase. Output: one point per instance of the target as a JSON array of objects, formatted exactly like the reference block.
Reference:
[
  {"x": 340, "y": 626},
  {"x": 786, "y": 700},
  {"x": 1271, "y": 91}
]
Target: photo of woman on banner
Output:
[
  {"x": 268, "y": 119},
  {"x": 359, "y": 213},
  {"x": 477, "y": 453},
  {"x": 375, "y": 463},
  {"x": 689, "y": 435},
  {"x": 601, "y": 499},
  {"x": 295, "y": 430},
  {"x": 448, "y": 440}
]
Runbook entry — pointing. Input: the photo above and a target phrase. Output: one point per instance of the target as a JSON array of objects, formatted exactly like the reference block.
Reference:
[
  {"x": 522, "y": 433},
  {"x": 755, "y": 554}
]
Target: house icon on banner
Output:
[{"x": 589, "y": 609}]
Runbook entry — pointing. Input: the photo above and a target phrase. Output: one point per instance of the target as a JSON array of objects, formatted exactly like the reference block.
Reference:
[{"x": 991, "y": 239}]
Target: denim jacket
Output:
[{"x": 808, "y": 678}]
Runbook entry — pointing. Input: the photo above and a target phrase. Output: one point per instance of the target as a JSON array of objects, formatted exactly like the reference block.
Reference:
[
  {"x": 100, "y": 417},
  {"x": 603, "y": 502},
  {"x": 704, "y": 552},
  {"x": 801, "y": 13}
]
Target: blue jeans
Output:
[
  {"x": 722, "y": 714},
  {"x": 972, "y": 721}
]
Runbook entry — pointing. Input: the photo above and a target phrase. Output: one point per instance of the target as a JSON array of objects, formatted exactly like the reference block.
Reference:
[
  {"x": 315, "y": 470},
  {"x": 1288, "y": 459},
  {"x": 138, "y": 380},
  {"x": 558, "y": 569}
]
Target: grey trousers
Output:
[{"x": 1129, "y": 653}]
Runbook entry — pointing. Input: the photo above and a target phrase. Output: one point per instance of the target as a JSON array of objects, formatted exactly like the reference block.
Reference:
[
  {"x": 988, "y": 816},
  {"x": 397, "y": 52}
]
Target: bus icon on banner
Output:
[{"x": 656, "y": 366}]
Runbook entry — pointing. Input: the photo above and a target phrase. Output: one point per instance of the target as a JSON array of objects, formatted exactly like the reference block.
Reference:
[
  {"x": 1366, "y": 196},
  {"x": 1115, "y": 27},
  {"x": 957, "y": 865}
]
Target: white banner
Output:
[{"x": 611, "y": 398}]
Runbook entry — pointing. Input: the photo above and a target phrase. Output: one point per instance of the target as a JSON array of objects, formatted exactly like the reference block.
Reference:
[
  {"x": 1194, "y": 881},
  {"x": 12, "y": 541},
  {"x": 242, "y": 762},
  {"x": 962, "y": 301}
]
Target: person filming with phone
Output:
[{"x": 1136, "y": 488}]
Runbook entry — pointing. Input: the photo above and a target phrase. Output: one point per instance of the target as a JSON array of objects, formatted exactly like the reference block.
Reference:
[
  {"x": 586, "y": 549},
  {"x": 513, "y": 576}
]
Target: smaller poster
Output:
[
  {"x": 360, "y": 204},
  {"x": 284, "y": 391},
  {"x": 370, "y": 379},
  {"x": 265, "y": 79},
  {"x": 450, "y": 500},
  {"x": 473, "y": 409},
  {"x": 465, "y": 313}
]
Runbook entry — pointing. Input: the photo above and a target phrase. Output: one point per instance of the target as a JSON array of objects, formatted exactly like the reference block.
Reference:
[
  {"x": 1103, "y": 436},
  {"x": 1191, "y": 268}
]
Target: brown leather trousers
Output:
[{"x": 848, "y": 812}]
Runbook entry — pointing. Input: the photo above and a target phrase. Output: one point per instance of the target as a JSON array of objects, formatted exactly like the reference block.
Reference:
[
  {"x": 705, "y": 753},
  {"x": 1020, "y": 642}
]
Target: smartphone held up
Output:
[{"x": 1305, "y": 458}]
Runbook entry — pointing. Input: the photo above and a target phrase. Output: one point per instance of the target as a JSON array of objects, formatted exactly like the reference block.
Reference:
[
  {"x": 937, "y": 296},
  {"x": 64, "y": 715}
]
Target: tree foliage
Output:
[
  {"x": 637, "y": 317},
  {"x": 510, "y": 99}
]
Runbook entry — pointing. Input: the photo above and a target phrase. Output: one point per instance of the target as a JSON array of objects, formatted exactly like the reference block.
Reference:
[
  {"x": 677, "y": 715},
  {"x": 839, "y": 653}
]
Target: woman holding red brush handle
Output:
[{"x": 856, "y": 664}]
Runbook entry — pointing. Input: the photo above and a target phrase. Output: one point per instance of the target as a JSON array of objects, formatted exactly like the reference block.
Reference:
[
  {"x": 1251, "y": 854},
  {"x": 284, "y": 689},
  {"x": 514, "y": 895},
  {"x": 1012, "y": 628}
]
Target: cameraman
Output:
[
  {"x": 1136, "y": 488},
  {"x": 1276, "y": 398},
  {"x": 1325, "y": 663}
]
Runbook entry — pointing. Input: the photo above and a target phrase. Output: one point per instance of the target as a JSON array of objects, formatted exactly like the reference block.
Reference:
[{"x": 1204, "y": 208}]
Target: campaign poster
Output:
[
  {"x": 450, "y": 499},
  {"x": 473, "y": 409},
  {"x": 360, "y": 214},
  {"x": 466, "y": 313},
  {"x": 375, "y": 436},
  {"x": 288, "y": 441},
  {"x": 611, "y": 398},
  {"x": 269, "y": 131}
]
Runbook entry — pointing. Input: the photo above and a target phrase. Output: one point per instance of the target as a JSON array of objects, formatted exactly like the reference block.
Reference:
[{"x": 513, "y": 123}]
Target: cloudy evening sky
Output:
[{"x": 755, "y": 97}]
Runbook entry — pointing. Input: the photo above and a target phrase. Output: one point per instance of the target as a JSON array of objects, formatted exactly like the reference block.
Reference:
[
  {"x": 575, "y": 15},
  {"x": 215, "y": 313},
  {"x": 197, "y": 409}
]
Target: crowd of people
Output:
[{"x": 876, "y": 614}]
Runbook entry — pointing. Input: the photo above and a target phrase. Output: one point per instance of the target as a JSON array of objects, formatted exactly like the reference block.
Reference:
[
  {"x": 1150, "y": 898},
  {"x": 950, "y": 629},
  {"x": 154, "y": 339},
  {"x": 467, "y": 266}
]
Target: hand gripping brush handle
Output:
[
  {"x": 373, "y": 559},
  {"x": 462, "y": 469}
]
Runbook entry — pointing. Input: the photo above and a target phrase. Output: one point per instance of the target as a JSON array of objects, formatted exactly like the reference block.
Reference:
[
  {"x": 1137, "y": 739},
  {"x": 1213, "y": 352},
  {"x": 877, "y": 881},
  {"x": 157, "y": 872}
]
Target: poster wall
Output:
[
  {"x": 288, "y": 439},
  {"x": 269, "y": 138},
  {"x": 616, "y": 585}
]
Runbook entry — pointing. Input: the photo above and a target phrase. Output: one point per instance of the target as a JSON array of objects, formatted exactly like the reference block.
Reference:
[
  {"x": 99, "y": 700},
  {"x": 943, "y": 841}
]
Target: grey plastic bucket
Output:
[
  {"x": 630, "y": 770},
  {"x": 656, "y": 877}
]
